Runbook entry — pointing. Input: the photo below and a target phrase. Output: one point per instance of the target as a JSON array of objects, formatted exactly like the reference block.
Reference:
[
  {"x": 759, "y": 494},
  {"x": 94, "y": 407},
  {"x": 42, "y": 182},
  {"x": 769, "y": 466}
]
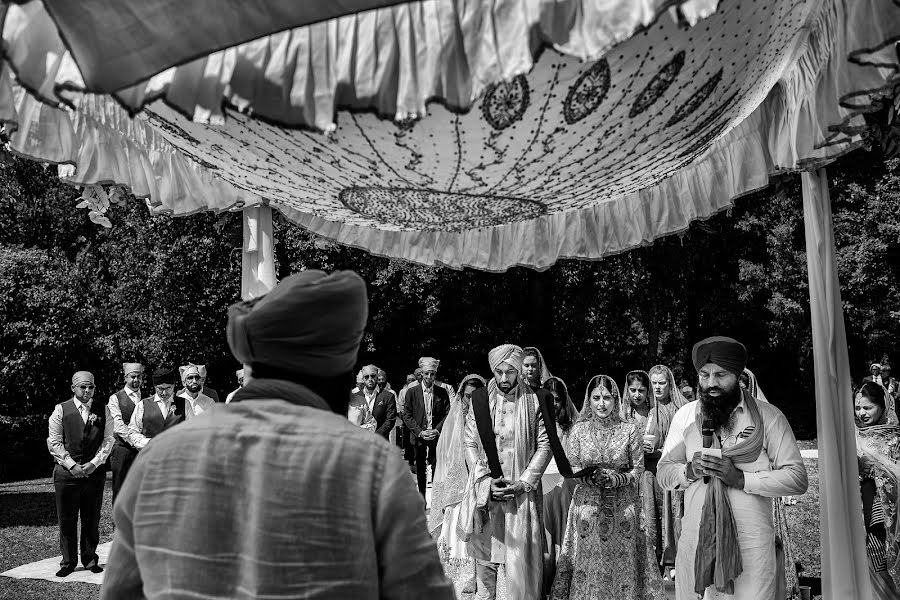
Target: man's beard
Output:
[
  {"x": 194, "y": 387},
  {"x": 720, "y": 409},
  {"x": 506, "y": 387}
]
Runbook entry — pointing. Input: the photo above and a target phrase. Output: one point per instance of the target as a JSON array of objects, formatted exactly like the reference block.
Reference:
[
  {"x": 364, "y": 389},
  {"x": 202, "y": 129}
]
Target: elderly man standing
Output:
[
  {"x": 381, "y": 403},
  {"x": 282, "y": 496},
  {"x": 754, "y": 458},
  {"x": 196, "y": 402},
  {"x": 80, "y": 440},
  {"x": 508, "y": 450},
  {"x": 424, "y": 410},
  {"x": 121, "y": 407}
]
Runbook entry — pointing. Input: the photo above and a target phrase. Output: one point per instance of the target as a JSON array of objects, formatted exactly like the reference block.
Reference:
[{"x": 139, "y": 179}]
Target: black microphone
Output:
[{"x": 707, "y": 431}]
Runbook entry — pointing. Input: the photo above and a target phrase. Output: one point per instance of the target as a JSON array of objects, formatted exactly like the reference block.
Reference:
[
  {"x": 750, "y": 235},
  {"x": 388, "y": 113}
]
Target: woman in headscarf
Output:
[
  {"x": 878, "y": 450},
  {"x": 636, "y": 399},
  {"x": 449, "y": 484},
  {"x": 663, "y": 509},
  {"x": 534, "y": 369},
  {"x": 604, "y": 551},
  {"x": 749, "y": 383},
  {"x": 557, "y": 489}
]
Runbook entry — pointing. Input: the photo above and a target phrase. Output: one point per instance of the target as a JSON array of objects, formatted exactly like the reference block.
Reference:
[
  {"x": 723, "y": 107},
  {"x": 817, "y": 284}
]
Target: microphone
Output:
[{"x": 707, "y": 431}]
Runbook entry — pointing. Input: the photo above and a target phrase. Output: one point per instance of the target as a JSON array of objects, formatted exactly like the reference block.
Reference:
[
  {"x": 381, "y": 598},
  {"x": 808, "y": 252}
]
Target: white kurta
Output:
[{"x": 778, "y": 471}]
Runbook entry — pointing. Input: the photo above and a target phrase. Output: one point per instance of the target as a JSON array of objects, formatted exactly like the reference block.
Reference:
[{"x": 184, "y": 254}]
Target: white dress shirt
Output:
[
  {"x": 135, "y": 437},
  {"x": 370, "y": 398},
  {"x": 120, "y": 427},
  {"x": 778, "y": 471},
  {"x": 194, "y": 407},
  {"x": 428, "y": 397},
  {"x": 56, "y": 444}
]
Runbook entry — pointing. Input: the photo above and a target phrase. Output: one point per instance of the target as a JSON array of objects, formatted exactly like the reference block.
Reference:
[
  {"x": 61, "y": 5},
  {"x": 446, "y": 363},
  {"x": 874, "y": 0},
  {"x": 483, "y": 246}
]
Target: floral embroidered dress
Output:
[{"x": 604, "y": 551}]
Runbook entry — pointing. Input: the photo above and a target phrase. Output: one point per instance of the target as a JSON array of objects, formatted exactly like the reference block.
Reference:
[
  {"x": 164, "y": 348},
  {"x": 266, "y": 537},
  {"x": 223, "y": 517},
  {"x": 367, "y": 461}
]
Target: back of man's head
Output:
[{"x": 307, "y": 329}]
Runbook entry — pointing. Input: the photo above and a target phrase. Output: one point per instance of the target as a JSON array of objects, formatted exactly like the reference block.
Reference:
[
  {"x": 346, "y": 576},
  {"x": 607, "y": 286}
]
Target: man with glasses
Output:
[
  {"x": 425, "y": 408},
  {"x": 80, "y": 440},
  {"x": 121, "y": 407},
  {"x": 381, "y": 403},
  {"x": 197, "y": 402}
]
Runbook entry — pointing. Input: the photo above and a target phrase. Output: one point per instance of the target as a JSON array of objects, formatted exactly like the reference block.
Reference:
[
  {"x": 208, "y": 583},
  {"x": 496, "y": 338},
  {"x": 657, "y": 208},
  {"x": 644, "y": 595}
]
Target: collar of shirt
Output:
[
  {"x": 370, "y": 397},
  {"x": 132, "y": 393},
  {"x": 159, "y": 400},
  {"x": 79, "y": 404}
]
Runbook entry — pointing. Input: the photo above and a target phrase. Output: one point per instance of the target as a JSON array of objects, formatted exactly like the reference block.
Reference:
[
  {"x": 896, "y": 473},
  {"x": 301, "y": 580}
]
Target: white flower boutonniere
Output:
[{"x": 92, "y": 418}]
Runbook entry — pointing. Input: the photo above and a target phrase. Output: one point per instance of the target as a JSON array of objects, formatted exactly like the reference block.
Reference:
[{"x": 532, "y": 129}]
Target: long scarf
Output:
[
  {"x": 473, "y": 510},
  {"x": 718, "y": 557}
]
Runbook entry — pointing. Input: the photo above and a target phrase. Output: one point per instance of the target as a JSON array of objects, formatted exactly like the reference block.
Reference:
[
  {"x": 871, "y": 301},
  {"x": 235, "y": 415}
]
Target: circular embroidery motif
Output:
[
  {"x": 587, "y": 93},
  {"x": 505, "y": 103},
  {"x": 434, "y": 210},
  {"x": 657, "y": 86},
  {"x": 694, "y": 102}
]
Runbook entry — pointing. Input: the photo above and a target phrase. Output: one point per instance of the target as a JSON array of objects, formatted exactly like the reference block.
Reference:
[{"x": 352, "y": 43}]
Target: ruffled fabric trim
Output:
[
  {"x": 843, "y": 68},
  {"x": 392, "y": 59}
]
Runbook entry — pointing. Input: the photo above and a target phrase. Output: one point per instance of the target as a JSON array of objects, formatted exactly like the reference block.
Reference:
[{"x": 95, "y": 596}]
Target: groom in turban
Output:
[
  {"x": 276, "y": 494},
  {"x": 424, "y": 410},
  {"x": 756, "y": 459},
  {"x": 507, "y": 449}
]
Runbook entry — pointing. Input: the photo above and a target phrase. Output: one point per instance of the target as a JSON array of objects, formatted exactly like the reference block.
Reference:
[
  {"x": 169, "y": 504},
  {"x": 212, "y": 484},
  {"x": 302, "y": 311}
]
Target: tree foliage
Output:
[{"x": 156, "y": 289}]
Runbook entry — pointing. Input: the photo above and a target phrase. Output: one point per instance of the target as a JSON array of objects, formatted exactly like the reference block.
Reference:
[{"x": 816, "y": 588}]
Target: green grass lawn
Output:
[{"x": 29, "y": 532}]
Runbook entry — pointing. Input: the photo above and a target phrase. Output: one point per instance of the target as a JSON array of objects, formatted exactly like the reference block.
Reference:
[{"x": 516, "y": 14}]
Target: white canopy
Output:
[{"x": 472, "y": 133}]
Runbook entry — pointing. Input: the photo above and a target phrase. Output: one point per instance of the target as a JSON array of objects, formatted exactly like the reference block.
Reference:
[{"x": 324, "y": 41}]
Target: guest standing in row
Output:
[
  {"x": 121, "y": 407},
  {"x": 426, "y": 407},
  {"x": 80, "y": 440}
]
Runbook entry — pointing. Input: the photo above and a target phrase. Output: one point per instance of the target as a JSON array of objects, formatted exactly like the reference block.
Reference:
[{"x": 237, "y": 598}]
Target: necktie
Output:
[{"x": 83, "y": 409}]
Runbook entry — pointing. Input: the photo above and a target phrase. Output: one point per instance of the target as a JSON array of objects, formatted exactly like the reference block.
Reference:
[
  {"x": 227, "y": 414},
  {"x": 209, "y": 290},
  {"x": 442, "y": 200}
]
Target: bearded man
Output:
[
  {"x": 754, "y": 458},
  {"x": 508, "y": 450},
  {"x": 196, "y": 402},
  {"x": 381, "y": 403},
  {"x": 121, "y": 407}
]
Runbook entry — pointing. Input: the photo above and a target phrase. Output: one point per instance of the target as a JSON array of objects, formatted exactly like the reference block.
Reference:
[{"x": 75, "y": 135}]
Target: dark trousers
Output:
[
  {"x": 76, "y": 496},
  {"x": 423, "y": 449},
  {"x": 120, "y": 460},
  {"x": 409, "y": 447}
]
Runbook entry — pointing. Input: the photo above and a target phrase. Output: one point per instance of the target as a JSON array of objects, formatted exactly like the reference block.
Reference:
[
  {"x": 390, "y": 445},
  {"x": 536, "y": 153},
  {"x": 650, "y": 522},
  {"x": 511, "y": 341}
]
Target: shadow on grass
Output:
[{"x": 28, "y": 509}]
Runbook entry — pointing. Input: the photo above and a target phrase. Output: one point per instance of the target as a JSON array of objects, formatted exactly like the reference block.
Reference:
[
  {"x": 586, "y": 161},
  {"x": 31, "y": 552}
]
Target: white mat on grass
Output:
[{"x": 47, "y": 568}]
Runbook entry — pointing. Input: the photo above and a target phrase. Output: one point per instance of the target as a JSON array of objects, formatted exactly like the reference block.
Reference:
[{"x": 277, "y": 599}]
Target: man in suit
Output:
[
  {"x": 80, "y": 440},
  {"x": 381, "y": 403},
  {"x": 157, "y": 413},
  {"x": 204, "y": 389},
  {"x": 425, "y": 408},
  {"x": 121, "y": 407}
]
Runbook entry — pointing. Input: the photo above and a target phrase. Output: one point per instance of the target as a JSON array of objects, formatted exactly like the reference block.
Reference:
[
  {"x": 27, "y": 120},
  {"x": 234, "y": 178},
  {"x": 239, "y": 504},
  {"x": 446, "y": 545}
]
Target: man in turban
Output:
[
  {"x": 500, "y": 514},
  {"x": 755, "y": 459},
  {"x": 424, "y": 410},
  {"x": 240, "y": 379},
  {"x": 277, "y": 494},
  {"x": 196, "y": 402},
  {"x": 157, "y": 413},
  {"x": 121, "y": 407},
  {"x": 80, "y": 440}
]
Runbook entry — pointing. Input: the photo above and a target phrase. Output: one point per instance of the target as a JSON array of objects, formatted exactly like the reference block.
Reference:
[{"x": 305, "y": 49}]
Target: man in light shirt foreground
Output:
[
  {"x": 755, "y": 458},
  {"x": 276, "y": 494}
]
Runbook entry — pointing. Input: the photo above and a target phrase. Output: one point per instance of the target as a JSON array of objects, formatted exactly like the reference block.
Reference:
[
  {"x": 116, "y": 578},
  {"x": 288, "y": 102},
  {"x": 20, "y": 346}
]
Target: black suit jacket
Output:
[
  {"x": 384, "y": 411},
  {"x": 414, "y": 410}
]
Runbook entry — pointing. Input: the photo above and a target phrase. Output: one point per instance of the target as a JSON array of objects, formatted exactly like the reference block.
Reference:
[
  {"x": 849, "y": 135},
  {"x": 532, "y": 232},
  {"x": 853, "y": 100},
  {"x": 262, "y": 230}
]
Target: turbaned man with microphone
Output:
[{"x": 749, "y": 456}]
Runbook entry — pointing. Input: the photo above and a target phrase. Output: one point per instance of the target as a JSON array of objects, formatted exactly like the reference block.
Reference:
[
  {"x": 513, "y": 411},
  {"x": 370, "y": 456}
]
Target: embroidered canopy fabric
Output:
[{"x": 559, "y": 129}]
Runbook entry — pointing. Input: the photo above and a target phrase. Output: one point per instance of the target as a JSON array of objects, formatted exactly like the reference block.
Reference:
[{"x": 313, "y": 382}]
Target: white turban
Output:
[
  {"x": 187, "y": 370},
  {"x": 507, "y": 353},
  {"x": 426, "y": 363},
  {"x": 132, "y": 368},
  {"x": 239, "y": 373},
  {"x": 82, "y": 377}
]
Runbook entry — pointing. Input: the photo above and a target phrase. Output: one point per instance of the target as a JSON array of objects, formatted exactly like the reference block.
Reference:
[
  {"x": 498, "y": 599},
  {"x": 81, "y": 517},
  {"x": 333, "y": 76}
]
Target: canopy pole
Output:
[
  {"x": 844, "y": 563},
  {"x": 258, "y": 252}
]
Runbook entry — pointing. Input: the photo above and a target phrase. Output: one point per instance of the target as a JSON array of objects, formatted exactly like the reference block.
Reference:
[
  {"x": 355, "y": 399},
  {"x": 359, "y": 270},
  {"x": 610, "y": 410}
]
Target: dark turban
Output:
[
  {"x": 164, "y": 377},
  {"x": 726, "y": 352},
  {"x": 310, "y": 324}
]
